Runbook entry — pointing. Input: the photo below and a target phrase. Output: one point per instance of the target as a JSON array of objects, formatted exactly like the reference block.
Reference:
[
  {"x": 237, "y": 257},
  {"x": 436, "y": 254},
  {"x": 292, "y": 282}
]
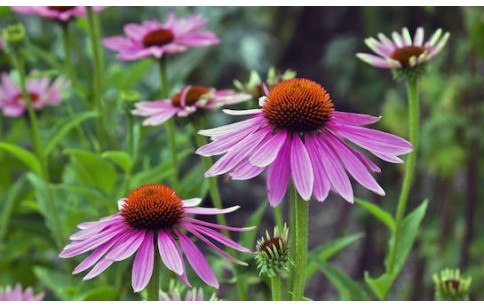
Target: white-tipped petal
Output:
[
  {"x": 406, "y": 37},
  {"x": 419, "y": 37}
]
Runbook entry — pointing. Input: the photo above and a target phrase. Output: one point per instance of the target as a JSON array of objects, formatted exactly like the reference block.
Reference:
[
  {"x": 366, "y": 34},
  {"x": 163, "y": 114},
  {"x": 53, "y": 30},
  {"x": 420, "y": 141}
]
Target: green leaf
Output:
[
  {"x": 23, "y": 155},
  {"x": 348, "y": 289},
  {"x": 56, "y": 282},
  {"x": 328, "y": 250},
  {"x": 103, "y": 293},
  {"x": 7, "y": 210},
  {"x": 122, "y": 159},
  {"x": 409, "y": 230},
  {"x": 379, "y": 213},
  {"x": 90, "y": 169},
  {"x": 65, "y": 127}
]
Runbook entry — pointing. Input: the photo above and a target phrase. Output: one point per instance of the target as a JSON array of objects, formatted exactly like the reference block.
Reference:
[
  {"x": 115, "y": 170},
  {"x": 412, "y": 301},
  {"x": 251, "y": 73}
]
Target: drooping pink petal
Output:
[
  {"x": 206, "y": 241},
  {"x": 337, "y": 175},
  {"x": 322, "y": 184},
  {"x": 217, "y": 236},
  {"x": 216, "y": 133},
  {"x": 373, "y": 60},
  {"x": 100, "y": 267},
  {"x": 197, "y": 260},
  {"x": 244, "y": 171},
  {"x": 221, "y": 227},
  {"x": 278, "y": 175},
  {"x": 169, "y": 252},
  {"x": 354, "y": 119},
  {"x": 267, "y": 152},
  {"x": 94, "y": 257},
  {"x": 301, "y": 169},
  {"x": 354, "y": 166},
  {"x": 191, "y": 202},
  {"x": 127, "y": 247},
  {"x": 210, "y": 211},
  {"x": 225, "y": 143},
  {"x": 143, "y": 264}
]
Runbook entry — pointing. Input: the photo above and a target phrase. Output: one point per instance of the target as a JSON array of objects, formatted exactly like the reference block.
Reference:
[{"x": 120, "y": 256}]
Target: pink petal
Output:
[
  {"x": 127, "y": 247},
  {"x": 337, "y": 175},
  {"x": 94, "y": 257},
  {"x": 267, "y": 152},
  {"x": 210, "y": 211},
  {"x": 245, "y": 171},
  {"x": 321, "y": 179},
  {"x": 301, "y": 168},
  {"x": 278, "y": 175},
  {"x": 191, "y": 202},
  {"x": 208, "y": 224},
  {"x": 197, "y": 260},
  {"x": 354, "y": 119},
  {"x": 218, "y": 237},
  {"x": 216, "y": 133},
  {"x": 143, "y": 264},
  {"x": 225, "y": 143},
  {"x": 169, "y": 252},
  {"x": 100, "y": 267}
]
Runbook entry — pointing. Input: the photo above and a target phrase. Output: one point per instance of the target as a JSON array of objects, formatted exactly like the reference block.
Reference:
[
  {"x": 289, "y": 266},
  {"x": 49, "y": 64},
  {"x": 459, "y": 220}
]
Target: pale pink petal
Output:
[
  {"x": 94, "y": 257},
  {"x": 301, "y": 169},
  {"x": 221, "y": 227},
  {"x": 355, "y": 119},
  {"x": 191, "y": 202},
  {"x": 197, "y": 260},
  {"x": 217, "y": 236},
  {"x": 278, "y": 175},
  {"x": 216, "y": 133},
  {"x": 373, "y": 60},
  {"x": 210, "y": 211},
  {"x": 100, "y": 267},
  {"x": 127, "y": 247},
  {"x": 267, "y": 152},
  {"x": 244, "y": 171},
  {"x": 169, "y": 252},
  {"x": 143, "y": 264},
  {"x": 419, "y": 37},
  {"x": 322, "y": 184}
]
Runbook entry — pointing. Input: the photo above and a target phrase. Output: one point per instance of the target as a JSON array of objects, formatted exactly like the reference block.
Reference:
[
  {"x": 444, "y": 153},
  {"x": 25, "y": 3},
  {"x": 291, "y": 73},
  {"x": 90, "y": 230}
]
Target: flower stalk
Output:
[
  {"x": 276, "y": 288},
  {"x": 299, "y": 241},
  {"x": 169, "y": 125},
  {"x": 94, "y": 34},
  {"x": 413, "y": 111},
  {"x": 154, "y": 284}
]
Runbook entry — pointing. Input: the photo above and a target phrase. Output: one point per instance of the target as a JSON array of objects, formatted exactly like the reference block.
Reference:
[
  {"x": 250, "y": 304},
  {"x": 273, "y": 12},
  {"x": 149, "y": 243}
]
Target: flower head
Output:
[
  {"x": 272, "y": 253},
  {"x": 14, "y": 37},
  {"x": 450, "y": 286},
  {"x": 152, "y": 217},
  {"x": 61, "y": 13},
  {"x": 42, "y": 94},
  {"x": 403, "y": 52},
  {"x": 153, "y": 39},
  {"x": 186, "y": 102},
  {"x": 297, "y": 134},
  {"x": 16, "y": 294}
]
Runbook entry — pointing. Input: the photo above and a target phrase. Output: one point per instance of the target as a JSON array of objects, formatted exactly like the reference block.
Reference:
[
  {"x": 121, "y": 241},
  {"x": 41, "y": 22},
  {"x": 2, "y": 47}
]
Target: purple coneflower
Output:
[
  {"x": 41, "y": 93},
  {"x": 186, "y": 102},
  {"x": 152, "y": 216},
  {"x": 16, "y": 294},
  {"x": 153, "y": 39},
  {"x": 62, "y": 13},
  {"x": 402, "y": 51},
  {"x": 298, "y": 135}
]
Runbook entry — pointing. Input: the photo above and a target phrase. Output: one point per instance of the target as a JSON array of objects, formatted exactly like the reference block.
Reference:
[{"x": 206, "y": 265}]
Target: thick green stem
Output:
[
  {"x": 98, "y": 75},
  {"x": 300, "y": 209},
  {"x": 38, "y": 148},
  {"x": 276, "y": 288},
  {"x": 169, "y": 125},
  {"x": 413, "y": 121},
  {"x": 154, "y": 284}
]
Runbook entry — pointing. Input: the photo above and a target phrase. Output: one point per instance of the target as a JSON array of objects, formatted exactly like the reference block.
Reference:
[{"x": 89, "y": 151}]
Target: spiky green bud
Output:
[
  {"x": 450, "y": 286},
  {"x": 14, "y": 37},
  {"x": 272, "y": 253}
]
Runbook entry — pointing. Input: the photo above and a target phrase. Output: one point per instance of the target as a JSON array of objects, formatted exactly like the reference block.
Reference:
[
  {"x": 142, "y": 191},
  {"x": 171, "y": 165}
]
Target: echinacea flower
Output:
[
  {"x": 194, "y": 294},
  {"x": 184, "y": 103},
  {"x": 16, "y": 294},
  {"x": 403, "y": 51},
  {"x": 151, "y": 218},
  {"x": 41, "y": 93},
  {"x": 153, "y": 39},
  {"x": 62, "y": 13},
  {"x": 298, "y": 135}
]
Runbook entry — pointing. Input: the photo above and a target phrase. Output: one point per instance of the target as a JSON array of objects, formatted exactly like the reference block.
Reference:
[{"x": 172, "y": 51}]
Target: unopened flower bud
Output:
[
  {"x": 272, "y": 255},
  {"x": 14, "y": 36},
  {"x": 450, "y": 286}
]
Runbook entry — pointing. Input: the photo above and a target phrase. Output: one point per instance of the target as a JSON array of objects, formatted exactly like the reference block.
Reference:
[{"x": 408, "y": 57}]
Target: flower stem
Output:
[
  {"x": 154, "y": 284},
  {"x": 300, "y": 210},
  {"x": 413, "y": 111},
  {"x": 98, "y": 74},
  {"x": 216, "y": 199},
  {"x": 38, "y": 148},
  {"x": 276, "y": 288},
  {"x": 169, "y": 125}
]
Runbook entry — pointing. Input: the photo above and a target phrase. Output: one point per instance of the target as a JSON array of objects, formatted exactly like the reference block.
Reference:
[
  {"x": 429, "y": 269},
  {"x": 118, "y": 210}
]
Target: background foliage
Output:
[{"x": 318, "y": 43}]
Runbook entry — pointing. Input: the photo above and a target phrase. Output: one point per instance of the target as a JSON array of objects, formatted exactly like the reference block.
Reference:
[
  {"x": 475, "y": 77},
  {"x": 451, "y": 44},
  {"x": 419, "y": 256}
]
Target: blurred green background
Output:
[{"x": 319, "y": 43}]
